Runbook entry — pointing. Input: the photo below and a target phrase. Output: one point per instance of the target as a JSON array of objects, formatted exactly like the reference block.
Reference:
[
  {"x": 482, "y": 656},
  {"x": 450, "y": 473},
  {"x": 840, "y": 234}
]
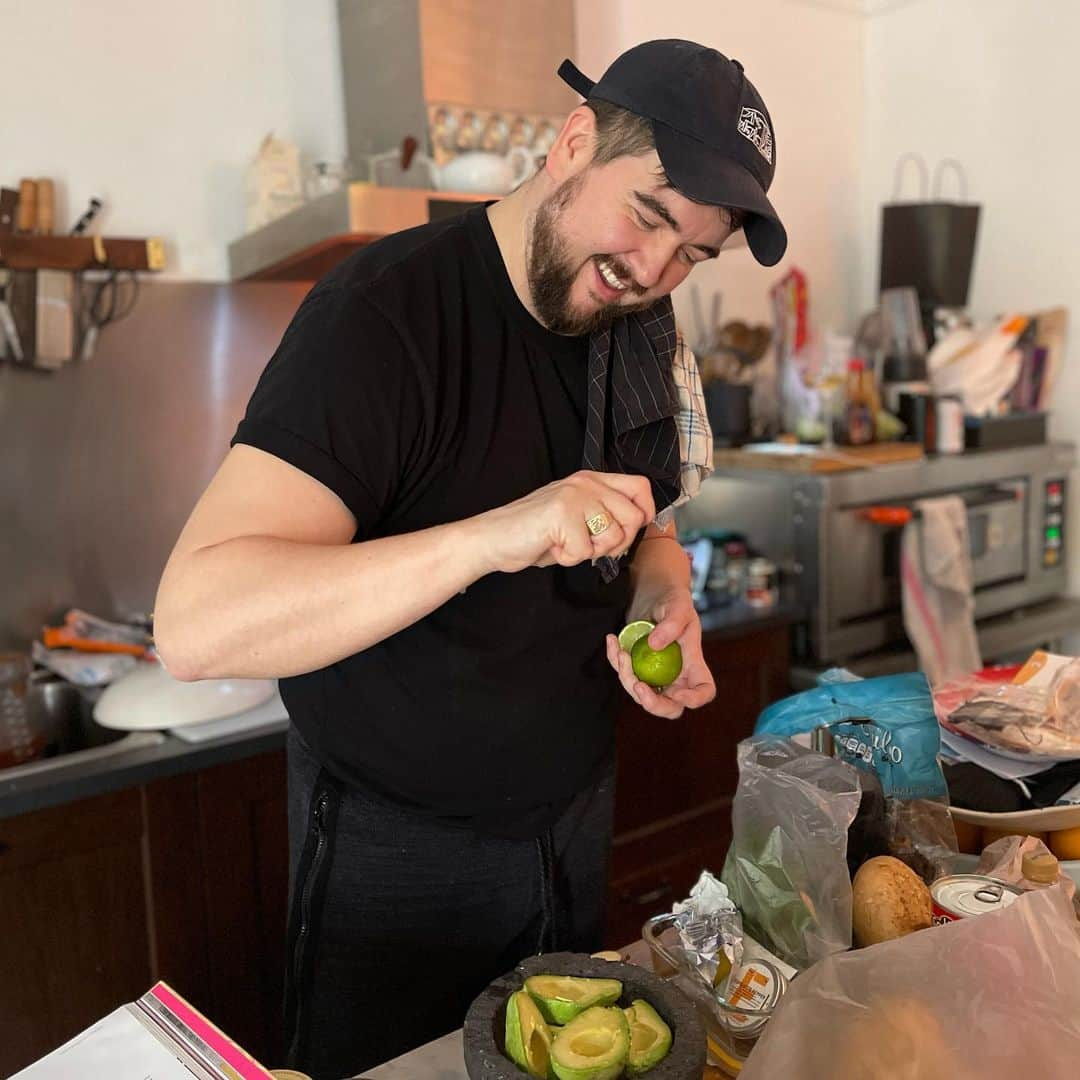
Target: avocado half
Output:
[
  {"x": 528, "y": 1040},
  {"x": 650, "y": 1038},
  {"x": 562, "y": 997},
  {"x": 485, "y": 1023},
  {"x": 593, "y": 1046}
]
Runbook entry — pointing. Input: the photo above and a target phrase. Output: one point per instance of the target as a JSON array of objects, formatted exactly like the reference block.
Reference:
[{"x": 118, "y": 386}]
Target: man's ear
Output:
[{"x": 572, "y": 151}]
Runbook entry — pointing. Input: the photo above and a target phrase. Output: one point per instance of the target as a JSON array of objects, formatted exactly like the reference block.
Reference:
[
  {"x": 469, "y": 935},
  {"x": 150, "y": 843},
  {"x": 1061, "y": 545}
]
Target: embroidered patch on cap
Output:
[{"x": 755, "y": 127}]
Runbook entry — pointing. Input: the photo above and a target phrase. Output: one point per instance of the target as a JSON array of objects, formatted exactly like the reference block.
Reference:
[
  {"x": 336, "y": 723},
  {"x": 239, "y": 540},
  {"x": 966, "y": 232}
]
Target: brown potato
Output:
[{"x": 888, "y": 901}]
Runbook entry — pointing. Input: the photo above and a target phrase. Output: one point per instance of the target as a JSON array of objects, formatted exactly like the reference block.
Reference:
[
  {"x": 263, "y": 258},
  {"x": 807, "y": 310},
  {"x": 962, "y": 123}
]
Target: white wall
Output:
[
  {"x": 805, "y": 59},
  {"x": 994, "y": 83},
  {"x": 157, "y": 107}
]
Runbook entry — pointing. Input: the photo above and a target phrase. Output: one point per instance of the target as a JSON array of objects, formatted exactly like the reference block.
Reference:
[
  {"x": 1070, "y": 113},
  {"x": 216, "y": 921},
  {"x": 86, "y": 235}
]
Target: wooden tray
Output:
[{"x": 811, "y": 459}]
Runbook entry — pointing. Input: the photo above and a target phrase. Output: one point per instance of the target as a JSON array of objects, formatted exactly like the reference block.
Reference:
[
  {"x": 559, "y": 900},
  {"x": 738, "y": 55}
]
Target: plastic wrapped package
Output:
[
  {"x": 786, "y": 868},
  {"x": 995, "y": 995},
  {"x": 885, "y": 727},
  {"x": 1038, "y": 712}
]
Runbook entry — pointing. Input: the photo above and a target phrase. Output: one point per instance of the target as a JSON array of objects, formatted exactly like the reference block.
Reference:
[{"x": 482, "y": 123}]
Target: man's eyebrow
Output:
[
  {"x": 658, "y": 208},
  {"x": 650, "y": 202}
]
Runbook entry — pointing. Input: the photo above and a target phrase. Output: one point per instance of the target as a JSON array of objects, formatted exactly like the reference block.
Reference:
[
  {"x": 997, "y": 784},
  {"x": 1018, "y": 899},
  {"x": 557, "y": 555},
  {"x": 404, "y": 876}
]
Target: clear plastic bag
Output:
[
  {"x": 884, "y": 726},
  {"x": 996, "y": 995},
  {"x": 786, "y": 869},
  {"x": 1036, "y": 718}
]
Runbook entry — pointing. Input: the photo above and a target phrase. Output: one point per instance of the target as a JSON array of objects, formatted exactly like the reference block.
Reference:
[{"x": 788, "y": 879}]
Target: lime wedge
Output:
[{"x": 633, "y": 632}]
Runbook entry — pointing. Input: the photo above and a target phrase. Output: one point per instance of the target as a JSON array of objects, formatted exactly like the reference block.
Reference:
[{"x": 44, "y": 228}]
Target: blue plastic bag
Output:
[{"x": 901, "y": 745}]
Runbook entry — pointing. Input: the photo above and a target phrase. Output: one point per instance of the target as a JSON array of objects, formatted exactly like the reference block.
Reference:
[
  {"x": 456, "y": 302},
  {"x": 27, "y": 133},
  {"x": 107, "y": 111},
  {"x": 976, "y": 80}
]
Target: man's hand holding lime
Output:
[{"x": 667, "y": 655}]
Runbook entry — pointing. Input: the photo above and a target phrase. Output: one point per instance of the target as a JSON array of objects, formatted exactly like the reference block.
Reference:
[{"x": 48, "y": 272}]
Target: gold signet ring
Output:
[{"x": 598, "y": 523}]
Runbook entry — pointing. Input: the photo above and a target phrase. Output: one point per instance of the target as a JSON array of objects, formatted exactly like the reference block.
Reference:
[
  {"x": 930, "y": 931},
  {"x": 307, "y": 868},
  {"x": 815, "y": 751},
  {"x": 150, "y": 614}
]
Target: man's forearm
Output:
[
  {"x": 659, "y": 566},
  {"x": 262, "y": 607}
]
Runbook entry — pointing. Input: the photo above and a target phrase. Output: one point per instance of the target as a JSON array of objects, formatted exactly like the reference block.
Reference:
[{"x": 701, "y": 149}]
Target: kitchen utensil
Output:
[
  {"x": 26, "y": 216},
  {"x": 9, "y": 201},
  {"x": 150, "y": 698},
  {"x": 46, "y": 207}
]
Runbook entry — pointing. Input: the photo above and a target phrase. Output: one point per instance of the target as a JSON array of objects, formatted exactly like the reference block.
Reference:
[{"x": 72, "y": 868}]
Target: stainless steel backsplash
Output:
[{"x": 102, "y": 461}]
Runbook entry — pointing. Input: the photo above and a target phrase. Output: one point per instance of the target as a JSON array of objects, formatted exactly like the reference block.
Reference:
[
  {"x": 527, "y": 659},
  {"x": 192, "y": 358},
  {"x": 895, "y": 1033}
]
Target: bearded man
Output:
[{"x": 452, "y": 485}]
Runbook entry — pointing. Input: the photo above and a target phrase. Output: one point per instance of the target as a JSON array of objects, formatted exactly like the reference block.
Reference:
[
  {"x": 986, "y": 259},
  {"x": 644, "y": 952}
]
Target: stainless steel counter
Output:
[{"x": 82, "y": 778}]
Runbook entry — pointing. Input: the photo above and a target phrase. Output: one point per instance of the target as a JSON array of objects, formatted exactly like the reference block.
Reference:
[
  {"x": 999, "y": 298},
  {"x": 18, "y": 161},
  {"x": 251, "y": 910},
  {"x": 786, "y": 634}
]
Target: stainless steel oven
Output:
[{"x": 836, "y": 537}]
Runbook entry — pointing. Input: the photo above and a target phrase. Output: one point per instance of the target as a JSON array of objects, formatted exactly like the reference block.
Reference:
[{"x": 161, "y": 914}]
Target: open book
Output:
[{"x": 158, "y": 1037}]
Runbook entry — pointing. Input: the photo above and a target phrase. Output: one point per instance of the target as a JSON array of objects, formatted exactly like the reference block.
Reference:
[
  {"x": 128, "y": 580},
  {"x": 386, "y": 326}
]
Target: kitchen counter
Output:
[{"x": 81, "y": 779}]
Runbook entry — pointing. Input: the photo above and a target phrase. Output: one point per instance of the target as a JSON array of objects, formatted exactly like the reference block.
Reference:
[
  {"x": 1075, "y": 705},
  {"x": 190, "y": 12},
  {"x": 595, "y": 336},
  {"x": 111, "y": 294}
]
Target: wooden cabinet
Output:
[
  {"x": 183, "y": 879},
  {"x": 676, "y": 778},
  {"x": 74, "y": 928}
]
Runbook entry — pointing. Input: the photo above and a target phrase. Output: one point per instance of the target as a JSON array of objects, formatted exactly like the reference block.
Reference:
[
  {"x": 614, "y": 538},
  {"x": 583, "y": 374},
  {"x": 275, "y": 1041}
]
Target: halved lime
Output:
[
  {"x": 658, "y": 668},
  {"x": 634, "y": 631}
]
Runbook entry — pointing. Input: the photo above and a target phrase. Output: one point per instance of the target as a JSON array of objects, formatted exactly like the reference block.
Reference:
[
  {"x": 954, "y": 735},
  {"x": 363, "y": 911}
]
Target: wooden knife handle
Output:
[
  {"x": 26, "y": 220},
  {"x": 46, "y": 208}
]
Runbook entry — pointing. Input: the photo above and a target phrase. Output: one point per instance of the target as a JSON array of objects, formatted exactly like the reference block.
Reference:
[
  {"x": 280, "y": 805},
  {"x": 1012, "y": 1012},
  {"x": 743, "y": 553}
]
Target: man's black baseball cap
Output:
[{"x": 713, "y": 133}]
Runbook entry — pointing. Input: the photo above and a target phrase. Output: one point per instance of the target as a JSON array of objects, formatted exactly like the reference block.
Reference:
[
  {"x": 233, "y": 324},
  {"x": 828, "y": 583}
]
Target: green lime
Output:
[
  {"x": 631, "y": 632},
  {"x": 657, "y": 668}
]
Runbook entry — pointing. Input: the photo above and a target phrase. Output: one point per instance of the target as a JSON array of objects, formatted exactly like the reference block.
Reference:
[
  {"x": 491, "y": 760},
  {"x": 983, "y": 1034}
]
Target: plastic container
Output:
[
  {"x": 731, "y": 1032},
  {"x": 21, "y": 738}
]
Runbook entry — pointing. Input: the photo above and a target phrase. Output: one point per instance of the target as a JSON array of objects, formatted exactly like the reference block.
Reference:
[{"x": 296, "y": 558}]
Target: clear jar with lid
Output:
[
  {"x": 18, "y": 740},
  {"x": 761, "y": 583}
]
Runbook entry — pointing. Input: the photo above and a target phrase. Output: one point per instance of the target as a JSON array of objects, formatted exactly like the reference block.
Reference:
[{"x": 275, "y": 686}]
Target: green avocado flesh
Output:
[
  {"x": 528, "y": 1040},
  {"x": 593, "y": 1046},
  {"x": 562, "y": 997},
  {"x": 650, "y": 1038}
]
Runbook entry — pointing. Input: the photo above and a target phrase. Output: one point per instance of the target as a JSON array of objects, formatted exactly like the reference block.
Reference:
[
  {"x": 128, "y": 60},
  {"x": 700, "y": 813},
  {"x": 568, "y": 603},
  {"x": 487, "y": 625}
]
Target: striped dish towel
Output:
[{"x": 646, "y": 411}]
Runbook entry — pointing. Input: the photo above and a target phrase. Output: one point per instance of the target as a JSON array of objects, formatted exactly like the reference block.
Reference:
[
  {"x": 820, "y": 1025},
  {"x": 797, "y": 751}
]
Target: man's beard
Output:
[{"x": 552, "y": 273}]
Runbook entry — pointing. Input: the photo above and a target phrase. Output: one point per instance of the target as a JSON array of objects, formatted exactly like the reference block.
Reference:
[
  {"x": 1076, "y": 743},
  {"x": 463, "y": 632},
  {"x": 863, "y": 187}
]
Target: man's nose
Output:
[{"x": 651, "y": 259}]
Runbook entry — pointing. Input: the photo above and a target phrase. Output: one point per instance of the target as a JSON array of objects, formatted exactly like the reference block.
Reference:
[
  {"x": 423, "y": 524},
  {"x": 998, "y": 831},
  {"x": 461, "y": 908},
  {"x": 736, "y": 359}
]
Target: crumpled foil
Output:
[{"x": 710, "y": 932}]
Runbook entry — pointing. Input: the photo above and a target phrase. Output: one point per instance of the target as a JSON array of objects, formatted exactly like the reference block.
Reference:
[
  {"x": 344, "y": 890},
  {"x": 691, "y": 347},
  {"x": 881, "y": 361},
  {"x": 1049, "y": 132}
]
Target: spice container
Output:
[
  {"x": 761, "y": 583},
  {"x": 950, "y": 424},
  {"x": 19, "y": 741},
  {"x": 735, "y": 554}
]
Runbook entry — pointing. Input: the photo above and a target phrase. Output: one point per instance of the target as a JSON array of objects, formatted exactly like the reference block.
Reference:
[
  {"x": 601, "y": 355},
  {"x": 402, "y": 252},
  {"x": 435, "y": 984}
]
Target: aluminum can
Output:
[{"x": 959, "y": 896}]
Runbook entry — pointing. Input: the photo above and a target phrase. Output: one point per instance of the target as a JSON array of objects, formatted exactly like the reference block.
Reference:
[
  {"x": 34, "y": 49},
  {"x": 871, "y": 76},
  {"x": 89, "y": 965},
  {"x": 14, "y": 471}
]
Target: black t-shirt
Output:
[{"x": 414, "y": 384}]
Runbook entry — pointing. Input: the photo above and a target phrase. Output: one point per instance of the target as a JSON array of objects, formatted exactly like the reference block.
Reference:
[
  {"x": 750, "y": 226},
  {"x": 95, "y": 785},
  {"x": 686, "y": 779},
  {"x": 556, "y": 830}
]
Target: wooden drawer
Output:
[{"x": 652, "y": 868}]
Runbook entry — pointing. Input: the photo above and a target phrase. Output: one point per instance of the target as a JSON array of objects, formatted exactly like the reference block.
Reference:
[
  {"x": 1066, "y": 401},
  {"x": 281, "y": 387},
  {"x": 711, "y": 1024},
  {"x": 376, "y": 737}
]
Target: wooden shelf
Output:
[
  {"x": 306, "y": 243},
  {"x": 21, "y": 251}
]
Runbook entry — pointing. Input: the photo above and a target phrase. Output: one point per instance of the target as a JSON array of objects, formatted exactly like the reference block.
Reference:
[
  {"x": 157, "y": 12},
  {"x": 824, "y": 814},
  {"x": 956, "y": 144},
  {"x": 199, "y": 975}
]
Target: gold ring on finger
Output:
[{"x": 598, "y": 523}]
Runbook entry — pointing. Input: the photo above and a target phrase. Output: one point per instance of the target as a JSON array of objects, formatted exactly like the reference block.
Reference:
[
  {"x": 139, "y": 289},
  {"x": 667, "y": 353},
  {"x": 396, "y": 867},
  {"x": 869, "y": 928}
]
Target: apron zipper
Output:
[{"x": 318, "y": 830}]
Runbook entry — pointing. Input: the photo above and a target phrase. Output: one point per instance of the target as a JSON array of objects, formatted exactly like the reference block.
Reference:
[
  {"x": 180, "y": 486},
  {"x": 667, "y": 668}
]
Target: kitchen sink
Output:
[{"x": 65, "y": 713}]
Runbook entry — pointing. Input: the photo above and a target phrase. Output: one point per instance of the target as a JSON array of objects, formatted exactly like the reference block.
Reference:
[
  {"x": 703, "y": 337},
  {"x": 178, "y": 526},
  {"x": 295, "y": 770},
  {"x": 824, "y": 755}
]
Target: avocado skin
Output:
[
  {"x": 558, "y": 1011},
  {"x": 522, "y": 1019},
  {"x": 641, "y": 1012}
]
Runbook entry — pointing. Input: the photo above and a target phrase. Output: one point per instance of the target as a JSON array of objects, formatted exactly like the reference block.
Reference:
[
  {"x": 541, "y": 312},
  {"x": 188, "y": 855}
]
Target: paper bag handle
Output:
[
  {"x": 949, "y": 164},
  {"x": 898, "y": 175}
]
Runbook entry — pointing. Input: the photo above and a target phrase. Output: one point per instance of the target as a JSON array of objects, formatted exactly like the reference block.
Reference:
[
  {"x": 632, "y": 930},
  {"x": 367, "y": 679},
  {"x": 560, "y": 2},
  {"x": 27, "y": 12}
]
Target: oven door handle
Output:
[{"x": 894, "y": 517}]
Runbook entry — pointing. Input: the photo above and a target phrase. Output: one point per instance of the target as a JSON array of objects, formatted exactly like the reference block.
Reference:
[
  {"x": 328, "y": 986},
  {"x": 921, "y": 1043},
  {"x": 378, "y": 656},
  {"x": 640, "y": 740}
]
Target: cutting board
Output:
[{"x": 784, "y": 457}]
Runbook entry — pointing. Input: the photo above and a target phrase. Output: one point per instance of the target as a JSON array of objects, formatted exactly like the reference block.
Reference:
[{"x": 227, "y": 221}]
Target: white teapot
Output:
[{"x": 485, "y": 171}]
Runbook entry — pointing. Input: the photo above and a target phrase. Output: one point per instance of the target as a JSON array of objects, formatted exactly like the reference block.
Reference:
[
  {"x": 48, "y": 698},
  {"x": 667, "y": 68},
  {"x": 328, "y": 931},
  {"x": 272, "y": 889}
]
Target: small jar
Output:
[
  {"x": 761, "y": 583},
  {"x": 19, "y": 741}
]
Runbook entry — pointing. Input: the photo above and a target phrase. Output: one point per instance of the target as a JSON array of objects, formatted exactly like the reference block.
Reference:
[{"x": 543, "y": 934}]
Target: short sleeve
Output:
[{"x": 339, "y": 400}]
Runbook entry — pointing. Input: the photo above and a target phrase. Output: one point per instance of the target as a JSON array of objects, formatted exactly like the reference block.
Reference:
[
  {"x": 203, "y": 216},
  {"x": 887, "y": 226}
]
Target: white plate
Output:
[
  {"x": 149, "y": 698},
  {"x": 1031, "y": 821}
]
